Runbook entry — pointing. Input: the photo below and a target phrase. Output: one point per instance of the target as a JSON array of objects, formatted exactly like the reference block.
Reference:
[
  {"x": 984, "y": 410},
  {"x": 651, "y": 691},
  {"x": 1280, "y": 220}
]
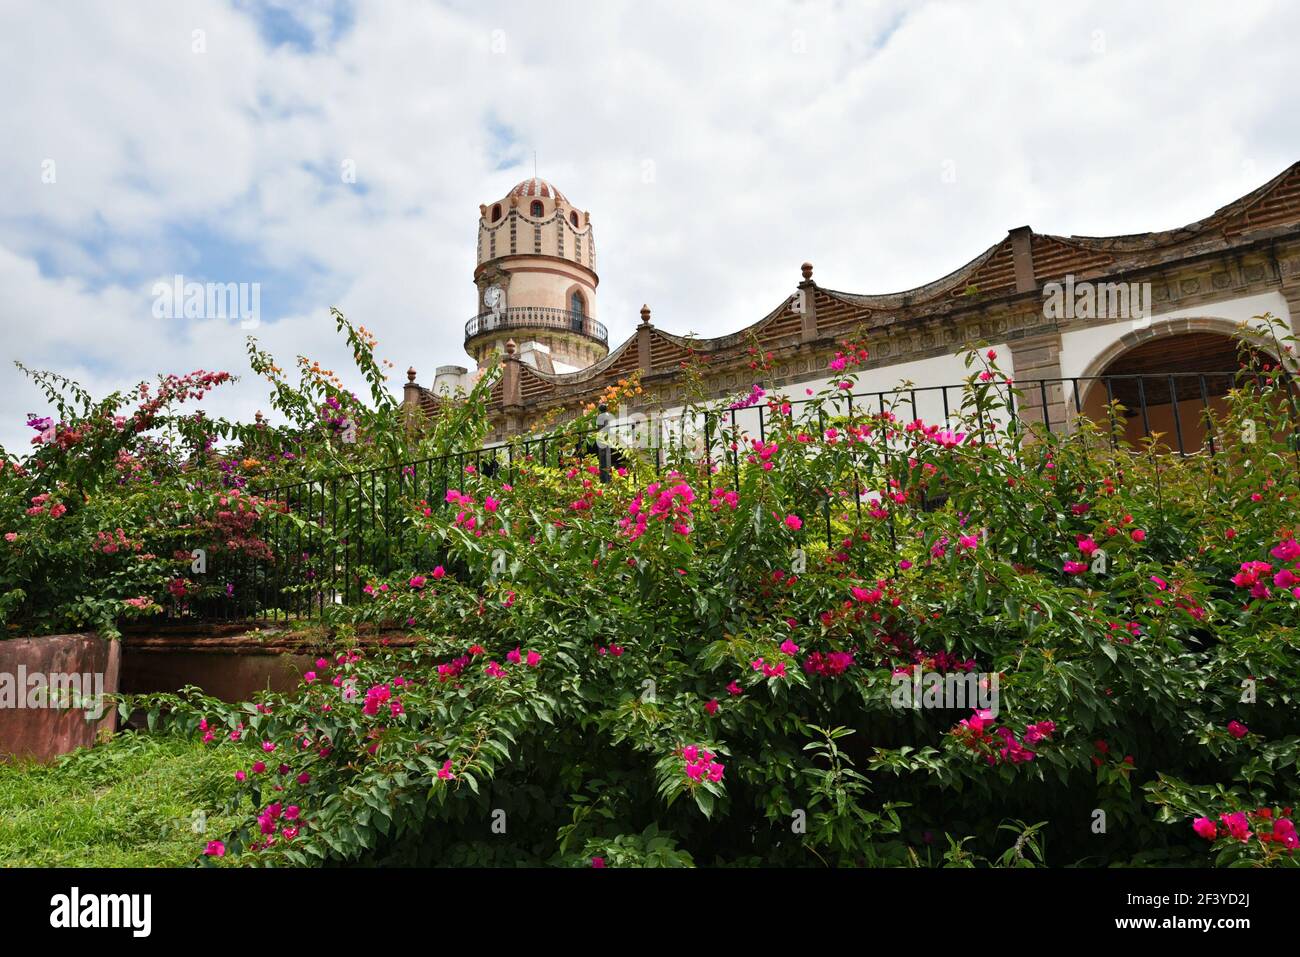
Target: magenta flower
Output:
[
  {"x": 215, "y": 849},
  {"x": 1285, "y": 832},
  {"x": 1237, "y": 729},
  {"x": 794, "y": 522},
  {"x": 1287, "y": 550},
  {"x": 1237, "y": 824},
  {"x": 1205, "y": 828}
]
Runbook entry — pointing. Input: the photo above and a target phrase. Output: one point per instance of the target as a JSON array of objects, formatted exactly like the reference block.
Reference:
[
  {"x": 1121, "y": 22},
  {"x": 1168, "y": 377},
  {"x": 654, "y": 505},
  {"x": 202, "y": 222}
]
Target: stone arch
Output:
[{"x": 1165, "y": 375}]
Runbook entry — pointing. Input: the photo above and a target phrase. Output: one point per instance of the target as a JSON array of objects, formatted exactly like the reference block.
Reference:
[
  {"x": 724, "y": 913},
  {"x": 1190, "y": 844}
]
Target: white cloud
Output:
[{"x": 777, "y": 133}]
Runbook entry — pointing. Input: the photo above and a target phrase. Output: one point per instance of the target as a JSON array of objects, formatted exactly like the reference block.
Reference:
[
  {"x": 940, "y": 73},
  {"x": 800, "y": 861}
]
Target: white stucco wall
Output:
[
  {"x": 1079, "y": 347},
  {"x": 933, "y": 372}
]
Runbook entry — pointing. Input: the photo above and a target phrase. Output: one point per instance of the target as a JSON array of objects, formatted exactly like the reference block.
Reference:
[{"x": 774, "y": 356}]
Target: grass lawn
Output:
[{"x": 133, "y": 802}]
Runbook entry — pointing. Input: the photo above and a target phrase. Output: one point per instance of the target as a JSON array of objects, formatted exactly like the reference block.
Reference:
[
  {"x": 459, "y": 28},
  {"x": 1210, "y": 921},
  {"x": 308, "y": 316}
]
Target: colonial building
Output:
[{"x": 1057, "y": 308}]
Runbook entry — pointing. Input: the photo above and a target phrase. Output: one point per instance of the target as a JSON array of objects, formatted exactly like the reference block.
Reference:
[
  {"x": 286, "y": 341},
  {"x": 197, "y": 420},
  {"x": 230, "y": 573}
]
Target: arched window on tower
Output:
[
  {"x": 573, "y": 218},
  {"x": 577, "y": 310},
  {"x": 537, "y": 209},
  {"x": 496, "y": 212}
]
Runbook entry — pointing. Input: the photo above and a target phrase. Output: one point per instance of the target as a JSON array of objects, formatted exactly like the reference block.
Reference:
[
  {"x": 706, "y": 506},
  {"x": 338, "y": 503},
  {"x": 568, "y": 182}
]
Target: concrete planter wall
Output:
[
  {"x": 230, "y": 662},
  {"x": 44, "y": 731}
]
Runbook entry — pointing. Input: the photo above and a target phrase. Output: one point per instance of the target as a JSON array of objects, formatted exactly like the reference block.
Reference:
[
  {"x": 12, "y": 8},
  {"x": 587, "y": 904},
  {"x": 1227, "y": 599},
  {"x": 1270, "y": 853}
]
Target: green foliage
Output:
[
  {"x": 701, "y": 663},
  {"x": 140, "y": 801}
]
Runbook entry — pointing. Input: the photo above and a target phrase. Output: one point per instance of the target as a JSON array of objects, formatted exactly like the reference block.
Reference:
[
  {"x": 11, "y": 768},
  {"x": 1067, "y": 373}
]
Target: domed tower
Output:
[{"x": 536, "y": 279}]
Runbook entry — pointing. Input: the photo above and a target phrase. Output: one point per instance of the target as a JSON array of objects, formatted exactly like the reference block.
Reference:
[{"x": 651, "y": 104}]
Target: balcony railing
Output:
[{"x": 536, "y": 317}]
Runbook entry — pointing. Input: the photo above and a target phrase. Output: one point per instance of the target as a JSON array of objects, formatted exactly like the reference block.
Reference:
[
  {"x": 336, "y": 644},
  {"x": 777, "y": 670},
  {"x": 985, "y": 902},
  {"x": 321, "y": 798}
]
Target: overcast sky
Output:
[{"x": 716, "y": 145}]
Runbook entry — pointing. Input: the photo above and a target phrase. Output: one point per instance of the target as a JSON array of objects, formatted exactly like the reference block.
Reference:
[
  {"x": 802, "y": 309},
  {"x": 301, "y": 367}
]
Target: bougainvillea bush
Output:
[
  {"x": 700, "y": 661},
  {"x": 137, "y": 501}
]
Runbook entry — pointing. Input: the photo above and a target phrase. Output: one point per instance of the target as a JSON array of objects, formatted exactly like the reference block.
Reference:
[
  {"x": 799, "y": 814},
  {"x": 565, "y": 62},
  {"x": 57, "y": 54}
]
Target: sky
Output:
[{"x": 336, "y": 153}]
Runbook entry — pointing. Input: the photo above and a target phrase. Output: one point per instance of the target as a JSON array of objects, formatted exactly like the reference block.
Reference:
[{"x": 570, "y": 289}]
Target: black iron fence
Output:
[{"x": 324, "y": 538}]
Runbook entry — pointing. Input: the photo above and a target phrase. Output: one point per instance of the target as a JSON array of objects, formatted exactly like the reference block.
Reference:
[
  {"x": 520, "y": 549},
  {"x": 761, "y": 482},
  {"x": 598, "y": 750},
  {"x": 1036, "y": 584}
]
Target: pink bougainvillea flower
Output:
[
  {"x": 1288, "y": 550},
  {"x": 215, "y": 849},
  {"x": 789, "y": 647},
  {"x": 1237, "y": 729},
  {"x": 734, "y": 688},
  {"x": 439, "y": 572},
  {"x": 514, "y": 657},
  {"x": 1284, "y": 832},
  {"x": 1138, "y": 535},
  {"x": 1074, "y": 568},
  {"x": 533, "y": 659},
  {"x": 711, "y": 707},
  {"x": 417, "y": 581},
  {"x": 1205, "y": 828},
  {"x": 597, "y": 862},
  {"x": 444, "y": 773},
  {"x": 1238, "y": 825},
  {"x": 794, "y": 522}
]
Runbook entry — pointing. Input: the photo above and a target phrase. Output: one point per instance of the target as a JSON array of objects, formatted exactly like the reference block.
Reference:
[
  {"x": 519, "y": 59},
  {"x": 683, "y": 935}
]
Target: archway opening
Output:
[{"x": 1165, "y": 385}]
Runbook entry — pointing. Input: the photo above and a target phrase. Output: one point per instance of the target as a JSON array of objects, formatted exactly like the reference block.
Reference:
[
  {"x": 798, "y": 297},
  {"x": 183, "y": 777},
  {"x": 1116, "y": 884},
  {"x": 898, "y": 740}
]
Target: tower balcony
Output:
[{"x": 540, "y": 318}]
